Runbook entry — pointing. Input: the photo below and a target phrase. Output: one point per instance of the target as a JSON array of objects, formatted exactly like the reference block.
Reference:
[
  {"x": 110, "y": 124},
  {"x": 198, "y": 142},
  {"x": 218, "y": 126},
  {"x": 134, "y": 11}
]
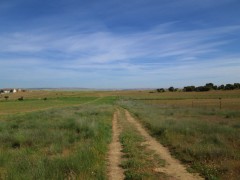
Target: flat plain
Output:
[{"x": 66, "y": 134}]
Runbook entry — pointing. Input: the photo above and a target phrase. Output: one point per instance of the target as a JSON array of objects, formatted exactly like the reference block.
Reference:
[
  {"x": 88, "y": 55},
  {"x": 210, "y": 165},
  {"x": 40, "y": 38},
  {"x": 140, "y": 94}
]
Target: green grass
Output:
[
  {"x": 206, "y": 139},
  {"x": 139, "y": 162},
  {"x": 67, "y": 135},
  {"x": 61, "y": 143},
  {"x": 234, "y": 94},
  {"x": 27, "y": 105}
]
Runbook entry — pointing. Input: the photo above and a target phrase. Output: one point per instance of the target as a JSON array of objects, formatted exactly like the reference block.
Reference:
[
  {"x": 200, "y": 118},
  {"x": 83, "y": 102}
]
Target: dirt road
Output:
[
  {"x": 173, "y": 167},
  {"x": 115, "y": 172}
]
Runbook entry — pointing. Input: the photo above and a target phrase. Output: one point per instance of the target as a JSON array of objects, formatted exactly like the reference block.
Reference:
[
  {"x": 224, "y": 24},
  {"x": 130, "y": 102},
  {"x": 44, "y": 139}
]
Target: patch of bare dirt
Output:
[
  {"x": 115, "y": 172},
  {"x": 173, "y": 167}
]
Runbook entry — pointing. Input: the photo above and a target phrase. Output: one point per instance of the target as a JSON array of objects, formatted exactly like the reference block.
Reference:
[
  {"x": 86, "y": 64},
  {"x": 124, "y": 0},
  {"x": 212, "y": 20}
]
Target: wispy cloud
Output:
[
  {"x": 90, "y": 44},
  {"x": 103, "y": 47}
]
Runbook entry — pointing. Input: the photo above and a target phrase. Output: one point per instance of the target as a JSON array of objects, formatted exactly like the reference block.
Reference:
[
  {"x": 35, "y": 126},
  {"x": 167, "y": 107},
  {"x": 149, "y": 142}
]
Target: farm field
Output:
[
  {"x": 59, "y": 143},
  {"x": 205, "y": 138},
  {"x": 67, "y": 135},
  {"x": 43, "y": 100}
]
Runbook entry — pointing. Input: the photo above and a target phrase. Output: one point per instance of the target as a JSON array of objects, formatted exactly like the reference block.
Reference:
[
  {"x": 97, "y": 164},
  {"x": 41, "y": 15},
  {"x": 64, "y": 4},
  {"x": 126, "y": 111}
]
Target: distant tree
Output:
[
  {"x": 215, "y": 87},
  {"x": 171, "y": 89},
  {"x": 189, "y": 88},
  {"x": 199, "y": 88},
  {"x": 207, "y": 87},
  {"x": 161, "y": 90},
  {"x": 6, "y": 97},
  {"x": 236, "y": 85},
  {"x": 211, "y": 86},
  {"x": 202, "y": 88},
  {"x": 222, "y": 87},
  {"x": 229, "y": 87}
]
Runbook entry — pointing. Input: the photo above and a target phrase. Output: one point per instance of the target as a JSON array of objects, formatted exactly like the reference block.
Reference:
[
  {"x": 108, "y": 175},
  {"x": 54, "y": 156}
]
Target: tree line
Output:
[{"x": 207, "y": 87}]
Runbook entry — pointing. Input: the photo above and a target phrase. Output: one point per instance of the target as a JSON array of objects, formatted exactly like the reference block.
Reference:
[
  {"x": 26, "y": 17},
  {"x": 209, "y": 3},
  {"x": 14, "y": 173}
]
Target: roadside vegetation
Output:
[
  {"x": 138, "y": 161},
  {"x": 60, "y": 143},
  {"x": 205, "y": 139}
]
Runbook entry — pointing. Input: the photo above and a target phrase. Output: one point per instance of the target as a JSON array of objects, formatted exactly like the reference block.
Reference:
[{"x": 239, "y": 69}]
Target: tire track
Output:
[
  {"x": 115, "y": 172},
  {"x": 173, "y": 167}
]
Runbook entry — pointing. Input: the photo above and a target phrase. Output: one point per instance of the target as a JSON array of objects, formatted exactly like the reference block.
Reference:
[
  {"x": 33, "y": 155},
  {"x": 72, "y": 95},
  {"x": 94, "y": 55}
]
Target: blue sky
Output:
[{"x": 119, "y": 43}]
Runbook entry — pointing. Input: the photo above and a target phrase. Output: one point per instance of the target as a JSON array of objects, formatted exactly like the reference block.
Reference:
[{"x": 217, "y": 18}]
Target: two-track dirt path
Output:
[
  {"x": 173, "y": 167},
  {"x": 115, "y": 172}
]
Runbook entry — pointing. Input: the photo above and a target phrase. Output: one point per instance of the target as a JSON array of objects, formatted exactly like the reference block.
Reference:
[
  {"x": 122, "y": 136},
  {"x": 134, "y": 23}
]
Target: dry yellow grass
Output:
[
  {"x": 229, "y": 103},
  {"x": 33, "y": 100}
]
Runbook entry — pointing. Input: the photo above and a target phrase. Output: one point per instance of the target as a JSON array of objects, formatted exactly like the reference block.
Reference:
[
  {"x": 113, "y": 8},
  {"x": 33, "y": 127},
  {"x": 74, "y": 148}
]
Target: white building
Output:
[{"x": 6, "y": 91}]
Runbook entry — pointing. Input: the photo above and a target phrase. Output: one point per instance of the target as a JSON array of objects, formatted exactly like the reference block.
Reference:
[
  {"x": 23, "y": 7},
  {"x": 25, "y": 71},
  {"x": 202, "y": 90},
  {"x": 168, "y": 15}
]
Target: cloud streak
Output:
[
  {"x": 165, "y": 51},
  {"x": 106, "y": 46}
]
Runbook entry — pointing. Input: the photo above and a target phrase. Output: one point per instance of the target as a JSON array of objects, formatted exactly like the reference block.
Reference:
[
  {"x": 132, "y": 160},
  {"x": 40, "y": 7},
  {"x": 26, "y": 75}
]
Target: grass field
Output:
[
  {"x": 206, "y": 139},
  {"x": 13, "y": 106},
  {"x": 66, "y": 136},
  {"x": 60, "y": 143}
]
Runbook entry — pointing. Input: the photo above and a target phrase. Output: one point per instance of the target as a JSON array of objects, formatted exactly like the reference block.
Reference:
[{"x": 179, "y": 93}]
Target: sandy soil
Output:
[{"x": 115, "y": 172}]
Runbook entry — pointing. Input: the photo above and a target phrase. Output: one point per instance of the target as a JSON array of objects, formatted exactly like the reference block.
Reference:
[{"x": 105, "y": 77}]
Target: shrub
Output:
[{"x": 20, "y": 99}]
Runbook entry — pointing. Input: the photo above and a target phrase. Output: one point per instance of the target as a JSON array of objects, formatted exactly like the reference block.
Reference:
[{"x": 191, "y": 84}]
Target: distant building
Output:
[
  {"x": 6, "y": 91},
  {"x": 13, "y": 91}
]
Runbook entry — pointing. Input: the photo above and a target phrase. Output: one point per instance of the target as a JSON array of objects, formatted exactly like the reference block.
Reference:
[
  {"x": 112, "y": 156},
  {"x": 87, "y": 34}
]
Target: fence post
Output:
[{"x": 220, "y": 103}]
